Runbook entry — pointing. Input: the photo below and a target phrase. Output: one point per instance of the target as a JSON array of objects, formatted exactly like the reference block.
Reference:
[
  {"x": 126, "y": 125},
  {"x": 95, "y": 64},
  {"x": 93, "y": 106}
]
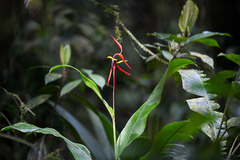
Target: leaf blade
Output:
[
  {"x": 76, "y": 150},
  {"x": 136, "y": 124}
]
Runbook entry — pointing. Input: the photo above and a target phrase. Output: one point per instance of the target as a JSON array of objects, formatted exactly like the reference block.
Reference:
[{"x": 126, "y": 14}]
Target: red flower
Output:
[{"x": 115, "y": 63}]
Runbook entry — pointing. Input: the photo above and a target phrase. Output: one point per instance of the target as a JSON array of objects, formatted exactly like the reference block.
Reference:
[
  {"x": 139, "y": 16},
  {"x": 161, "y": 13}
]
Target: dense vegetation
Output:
[{"x": 164, "y": 99}]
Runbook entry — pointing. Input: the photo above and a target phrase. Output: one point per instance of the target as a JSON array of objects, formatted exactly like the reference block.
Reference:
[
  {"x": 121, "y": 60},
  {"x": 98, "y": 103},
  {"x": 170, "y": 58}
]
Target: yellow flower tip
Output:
[
  {"x": 121, "y": 61},
  {"x": 109, "y": 57}
]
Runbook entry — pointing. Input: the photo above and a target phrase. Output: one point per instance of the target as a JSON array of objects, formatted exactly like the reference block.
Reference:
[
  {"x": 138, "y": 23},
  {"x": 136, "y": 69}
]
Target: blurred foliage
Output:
[{"x": 32, "y": 33}]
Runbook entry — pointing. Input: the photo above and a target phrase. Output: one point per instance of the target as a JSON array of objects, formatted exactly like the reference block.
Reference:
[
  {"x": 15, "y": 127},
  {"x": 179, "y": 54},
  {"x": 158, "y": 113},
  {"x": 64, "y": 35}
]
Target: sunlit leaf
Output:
[
  {"x": 208, "y": 41},
  {"x": 188, "y": 17},
  {"x": 38, "y": 100},
  {"x": 70, "y": 86},
  {"x": 233, "y": 57},
  {"x": 52, "y": 77},
  {"x": 80, "y": 152},
  {"x": 194, "y": 82},
  {"x": 205, "y": 34},
  {"x": 205, "y": 58},
  {"x": 136, "y": 124}
]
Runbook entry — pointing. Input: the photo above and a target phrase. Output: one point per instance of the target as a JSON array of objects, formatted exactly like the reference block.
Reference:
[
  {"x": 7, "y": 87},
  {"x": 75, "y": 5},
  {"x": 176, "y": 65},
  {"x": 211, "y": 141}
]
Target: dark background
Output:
[{"x": 31, "y": 36}]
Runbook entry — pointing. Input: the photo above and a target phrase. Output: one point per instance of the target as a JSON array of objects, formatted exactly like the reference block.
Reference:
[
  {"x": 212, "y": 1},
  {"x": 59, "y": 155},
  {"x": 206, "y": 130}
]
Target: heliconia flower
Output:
[{"x": 115, "y": 63}]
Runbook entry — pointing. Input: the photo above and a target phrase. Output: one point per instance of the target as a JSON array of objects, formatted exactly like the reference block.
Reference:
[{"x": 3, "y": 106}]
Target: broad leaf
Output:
[
  {"x": 38, "y": 100},
  {"x": 226, "y": 74},
  {"x": 188, "y": 17},
  {"x": 194, "y": 82},
  {"x": 80, "y": 152},
  {"x": 137, "y": 123},
  {"x": 168, "y": 134},
  {"x": 233, "y": 57},
  {"x": 52, "y": 77},
  {"x": 205, "y": 58},
  {"x": 70, "y": 86},
  {"x": 98, "y": 149},
  {"x": 205, "y": 34},
  {"x": 207, "y": 41}
]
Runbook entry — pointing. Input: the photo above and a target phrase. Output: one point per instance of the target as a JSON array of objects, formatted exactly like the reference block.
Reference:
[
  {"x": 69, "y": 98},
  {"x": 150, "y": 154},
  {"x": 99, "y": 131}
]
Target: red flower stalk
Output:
[{"x": 115, "y": 63}]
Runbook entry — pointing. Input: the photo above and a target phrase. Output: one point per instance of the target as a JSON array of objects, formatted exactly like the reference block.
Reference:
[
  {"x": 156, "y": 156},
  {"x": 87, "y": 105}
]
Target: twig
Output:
[{"x": 139, "y": 44}]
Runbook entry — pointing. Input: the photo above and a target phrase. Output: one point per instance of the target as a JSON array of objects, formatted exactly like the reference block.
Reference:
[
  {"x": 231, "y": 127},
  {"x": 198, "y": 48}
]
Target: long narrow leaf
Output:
[
  {"x": 86, "y": 80},
  {"x": 205, "y": 34},
  {"x": 80, "y": 152},
  {"x": 89, "y": 140},
  {"x": 137, "y": 123},
  {"x": 89, "y": 83},
  {"x": 105, "y": 120}
]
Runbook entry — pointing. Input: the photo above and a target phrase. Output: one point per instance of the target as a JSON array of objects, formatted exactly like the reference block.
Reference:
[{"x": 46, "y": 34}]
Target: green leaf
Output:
[
  {"x": 65, "y": 54},
  {"x": 208, "y": 41},
  {"x": 52, "y": 77},
  {"x": 99, "y": 80},
  {"x": 38, "y": 100},
  {"x": 205, "y": 34},
  {"x": 233, "y": 122},
  {"x": 235, "y": 87},
  {"x": 97, "y": 149},
  {"x": 194, "y": 82},
  {"x": 188, "y": 17},
  {"x": 79, "y": 152},
  {"x": 176, "y": 64},
  {"x": 167, "y": 55},
  {"x": 205, "y": 58},
  {"x": 168, "y": 134},
  {"x": 105, "y": 121},
  {"x": 233, "y": 57},
  {"x": 70, "y": 86},
  {"x": 226, "y": 74},
  {"x": 169, "y": 37},
  {"x": 86, "y": 80},
  {"x": 137, "y": 123}
]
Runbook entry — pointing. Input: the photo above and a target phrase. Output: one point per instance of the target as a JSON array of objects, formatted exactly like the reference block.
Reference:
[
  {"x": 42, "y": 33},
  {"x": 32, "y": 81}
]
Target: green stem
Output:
[
  {"x": 230, "y": 151},
  {"x": 225, "y": 109},
  {"x": 114, "y": 137},
  {"x": 224, "y": 113},
  {"x": 113, "y": 117}
]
